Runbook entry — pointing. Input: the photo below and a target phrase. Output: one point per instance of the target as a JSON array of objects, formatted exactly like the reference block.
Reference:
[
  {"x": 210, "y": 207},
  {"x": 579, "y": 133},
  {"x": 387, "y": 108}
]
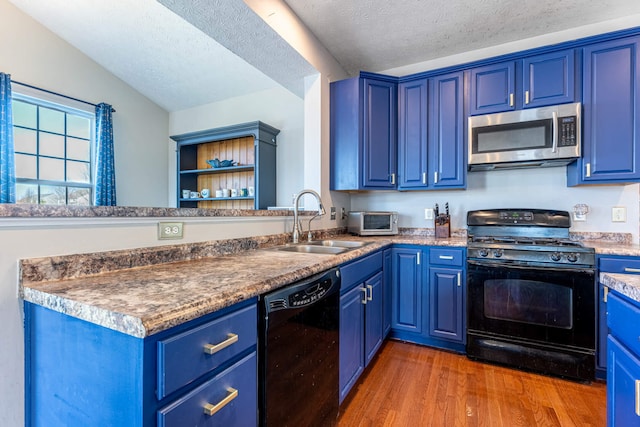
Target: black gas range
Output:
[{"x": 531, "y": 292}]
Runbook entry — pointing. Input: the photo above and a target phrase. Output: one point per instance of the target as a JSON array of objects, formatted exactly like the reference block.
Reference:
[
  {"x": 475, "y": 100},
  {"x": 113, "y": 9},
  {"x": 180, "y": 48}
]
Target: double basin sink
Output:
[{"x": 331, "y": 247}]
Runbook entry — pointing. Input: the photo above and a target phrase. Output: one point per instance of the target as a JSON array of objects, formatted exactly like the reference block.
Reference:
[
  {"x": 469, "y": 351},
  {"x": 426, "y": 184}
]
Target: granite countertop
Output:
[
  {"x": 144, "y": 300},
  {"x": 626, "y": 284}
]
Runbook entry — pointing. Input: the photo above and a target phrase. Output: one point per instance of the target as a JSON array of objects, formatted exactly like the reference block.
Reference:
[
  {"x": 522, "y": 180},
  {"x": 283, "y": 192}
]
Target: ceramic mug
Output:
[
  {"x": 186, "y": 194},
  {"x": 244, "y": 192},
  {"x": 251, "y": 191},
  {"x": 204, "y": 192},
  {"x": 194, "y": 195},
  {"x": 234, "y": 192},
  {"x": 219, "y": 193},
  {"x": 226, "y": 192}
]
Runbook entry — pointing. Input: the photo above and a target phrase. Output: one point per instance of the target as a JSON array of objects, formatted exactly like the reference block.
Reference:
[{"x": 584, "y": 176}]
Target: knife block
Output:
[{"x": 443, "y": 226}]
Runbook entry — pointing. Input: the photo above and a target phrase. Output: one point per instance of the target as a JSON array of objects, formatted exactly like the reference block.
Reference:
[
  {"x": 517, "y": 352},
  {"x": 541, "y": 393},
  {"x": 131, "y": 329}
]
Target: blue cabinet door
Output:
[
  {"x": 407, "y": 292},
  {"x": 603, "y": 330},
  {"x": 611, "y": 114},
  {"x": 412, "y": 135},
  {"x": 549, "y": 79},
  {"x": 446, "y": 309},
  {"x": 493, "y": 88},
  {"x": 446, "y": 140},
  {"x": 622, "y": 383},
  {"x": 351, "y": 338},
  {"x": 374, "y": 327},
  {"x": 379, "y": 151}
]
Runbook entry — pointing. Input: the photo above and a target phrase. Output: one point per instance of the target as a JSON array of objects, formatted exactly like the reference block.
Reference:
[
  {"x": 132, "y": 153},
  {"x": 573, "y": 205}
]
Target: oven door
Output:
[{"x": 553, "y": 306}]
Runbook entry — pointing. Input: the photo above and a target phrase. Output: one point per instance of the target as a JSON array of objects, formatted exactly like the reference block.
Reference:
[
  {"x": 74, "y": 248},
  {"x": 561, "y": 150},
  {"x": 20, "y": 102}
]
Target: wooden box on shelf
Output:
[{"x": 251, "y": 146}]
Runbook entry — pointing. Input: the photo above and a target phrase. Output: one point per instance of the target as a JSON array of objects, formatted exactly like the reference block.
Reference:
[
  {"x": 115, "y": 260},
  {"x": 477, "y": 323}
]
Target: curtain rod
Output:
[{"x": 57, "y": 94}]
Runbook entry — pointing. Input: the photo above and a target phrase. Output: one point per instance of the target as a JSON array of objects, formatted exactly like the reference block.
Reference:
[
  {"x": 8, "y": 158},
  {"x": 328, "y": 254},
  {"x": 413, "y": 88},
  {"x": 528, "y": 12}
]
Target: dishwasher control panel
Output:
[{"x": 310, "y": 294}]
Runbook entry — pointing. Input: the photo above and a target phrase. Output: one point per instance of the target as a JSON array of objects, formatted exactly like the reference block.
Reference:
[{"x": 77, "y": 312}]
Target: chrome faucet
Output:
[{"x": 296, "y": 224}]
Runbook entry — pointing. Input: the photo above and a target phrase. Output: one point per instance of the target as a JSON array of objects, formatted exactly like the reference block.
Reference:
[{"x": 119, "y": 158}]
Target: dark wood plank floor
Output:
[{"x": 417, "y": 386}]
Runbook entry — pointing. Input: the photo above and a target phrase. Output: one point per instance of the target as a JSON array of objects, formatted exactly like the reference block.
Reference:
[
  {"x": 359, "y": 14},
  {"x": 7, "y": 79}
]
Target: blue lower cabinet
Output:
[
  {"x": 81, "y": 374},
  {"x": 446, "y": 316},
  {"x": 407, "y": 290},
  {"x": 351, "y": 339}
]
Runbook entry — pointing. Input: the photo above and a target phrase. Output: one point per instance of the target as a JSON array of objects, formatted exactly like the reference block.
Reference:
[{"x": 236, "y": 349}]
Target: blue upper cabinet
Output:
[
  {"x": 446, "y": 133},
  {"x": 493, "y": 88},
  {"x": 363, "y": 133},
  {"x": 537, "y": 81},
  {"x": 549, "y": 79},
  {"x": 412, "y": 135},
  {"x": 611, "y": 113},
  {"x": 431, "y": 150}
]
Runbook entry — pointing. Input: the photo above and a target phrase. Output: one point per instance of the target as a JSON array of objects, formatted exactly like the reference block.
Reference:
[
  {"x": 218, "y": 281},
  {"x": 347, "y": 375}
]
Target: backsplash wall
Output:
[{"x": 543, "y": 188}]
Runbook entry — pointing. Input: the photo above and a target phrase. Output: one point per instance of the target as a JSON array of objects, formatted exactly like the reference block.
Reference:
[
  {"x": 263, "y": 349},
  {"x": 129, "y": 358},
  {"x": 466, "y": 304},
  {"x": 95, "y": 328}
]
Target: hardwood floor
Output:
[{"x": 417, "y": 386}]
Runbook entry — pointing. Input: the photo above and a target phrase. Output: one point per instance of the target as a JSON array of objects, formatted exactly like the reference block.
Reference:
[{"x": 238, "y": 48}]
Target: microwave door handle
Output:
[{"x": 554, "y": 130}]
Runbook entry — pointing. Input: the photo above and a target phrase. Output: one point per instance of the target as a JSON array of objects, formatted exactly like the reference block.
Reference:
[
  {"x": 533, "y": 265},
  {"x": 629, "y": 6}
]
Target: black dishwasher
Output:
[{"x": 299, "y": 353}]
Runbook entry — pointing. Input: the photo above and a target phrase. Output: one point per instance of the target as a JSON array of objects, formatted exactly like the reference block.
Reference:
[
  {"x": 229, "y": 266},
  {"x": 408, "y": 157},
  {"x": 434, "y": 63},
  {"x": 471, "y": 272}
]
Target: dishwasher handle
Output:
[{"x": 306, "y": 292}]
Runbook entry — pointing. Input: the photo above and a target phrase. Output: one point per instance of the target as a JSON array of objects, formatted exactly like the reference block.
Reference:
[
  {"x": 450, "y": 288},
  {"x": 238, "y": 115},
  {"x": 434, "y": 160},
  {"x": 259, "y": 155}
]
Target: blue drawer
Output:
[
  {"x": 359, "y": 270},
  {"x": 446, "y": 256},
  {"x": 234, "y": 390},
  {"x": 623, "y": 320},
  {"x": 619, "y": 265},
  {"x": 185, "y": 357}
]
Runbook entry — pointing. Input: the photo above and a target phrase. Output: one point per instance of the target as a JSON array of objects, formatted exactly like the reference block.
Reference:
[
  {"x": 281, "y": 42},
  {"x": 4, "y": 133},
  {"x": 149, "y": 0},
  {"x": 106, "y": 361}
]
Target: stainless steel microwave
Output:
[
  {"x": 536, "y": 137},
  {"x": 373, "y": 223}
]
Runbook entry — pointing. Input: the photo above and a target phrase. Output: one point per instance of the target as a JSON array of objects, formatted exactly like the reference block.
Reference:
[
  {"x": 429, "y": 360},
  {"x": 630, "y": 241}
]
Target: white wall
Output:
[
  {"x": 543, "y": 188},
  {"x": 276, "y": 107},
  {"x": 34, "y": 55}
]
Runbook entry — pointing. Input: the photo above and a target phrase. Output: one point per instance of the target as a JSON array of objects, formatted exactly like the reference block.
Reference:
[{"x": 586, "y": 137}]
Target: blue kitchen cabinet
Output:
[
  {"x": 447, "y": 294},
  {"x": 609, "y": 264},
  {"x": 611, "y": 114},
  {"x": 82, "y": 374},
  {"x": 447, "y": 164},
  {"x": 623, "y": 369},
  {"x": 361, "y": 317},
  {"x": 431, "y": 153},
  {"x": 413, "y": 155},
  {"x": 407, "y": 294},
  {"x": 493, "y": 88},
  {"x": 536, "y": 81},
  {"x": 363, "y": 133}
]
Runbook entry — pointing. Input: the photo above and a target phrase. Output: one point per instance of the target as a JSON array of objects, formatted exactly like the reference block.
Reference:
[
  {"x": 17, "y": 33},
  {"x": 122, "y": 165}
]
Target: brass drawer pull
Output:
[
  {"x": 211, "y": 409},
  {"x": 638, "y": 398},
  {"x": 214, "y": 348}
]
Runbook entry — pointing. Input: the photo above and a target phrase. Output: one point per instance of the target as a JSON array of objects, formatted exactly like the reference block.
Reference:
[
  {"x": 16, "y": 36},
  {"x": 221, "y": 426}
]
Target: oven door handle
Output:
[{"x": 524, "y": 266}]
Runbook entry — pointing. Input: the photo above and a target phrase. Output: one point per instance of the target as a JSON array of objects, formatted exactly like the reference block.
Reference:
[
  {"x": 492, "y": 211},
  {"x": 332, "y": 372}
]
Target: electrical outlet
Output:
[
  {"x": 343, "y": 213},
  {"x": 428, "y": 213},
  {"x": 169, "y": 230},
  {"x": 333, "y": 212},
  {"x": 618, "y": 214}
]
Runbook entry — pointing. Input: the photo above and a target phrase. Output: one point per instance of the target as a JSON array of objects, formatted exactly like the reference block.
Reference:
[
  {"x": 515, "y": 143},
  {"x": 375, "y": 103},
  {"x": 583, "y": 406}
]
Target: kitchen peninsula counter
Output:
[
  {"x": 144, "y": 291},
  {"x": 625, "y": 284}
]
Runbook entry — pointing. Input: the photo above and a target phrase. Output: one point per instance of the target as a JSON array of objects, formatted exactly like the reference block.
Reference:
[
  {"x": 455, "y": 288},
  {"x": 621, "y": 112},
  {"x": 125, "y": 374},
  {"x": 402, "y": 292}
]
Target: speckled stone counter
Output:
[
  {"x": 626, "y": 284},
  {"x": 145, "y": 291}
]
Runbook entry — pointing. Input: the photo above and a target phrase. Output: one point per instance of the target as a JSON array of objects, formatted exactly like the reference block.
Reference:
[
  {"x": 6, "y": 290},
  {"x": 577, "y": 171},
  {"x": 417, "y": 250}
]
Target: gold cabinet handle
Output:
[
  {"x": 211, "y": 409},
  {"x": 638, "y": 398},
  {"x": 605, "y": 291},
  {"x": 214, "y": 348},
  {"x": 370, "y": 297},
  {"x": 511, "y": 100}
]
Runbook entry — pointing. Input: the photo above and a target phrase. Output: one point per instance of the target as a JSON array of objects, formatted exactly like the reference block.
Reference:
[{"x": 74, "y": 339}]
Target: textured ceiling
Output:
[
  {"x": 377, "y": 35},
  {"x": 185, "y": 53}
]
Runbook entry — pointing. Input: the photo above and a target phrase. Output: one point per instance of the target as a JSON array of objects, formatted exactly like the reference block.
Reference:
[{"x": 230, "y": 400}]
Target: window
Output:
[{"x": 53, "y": 152}]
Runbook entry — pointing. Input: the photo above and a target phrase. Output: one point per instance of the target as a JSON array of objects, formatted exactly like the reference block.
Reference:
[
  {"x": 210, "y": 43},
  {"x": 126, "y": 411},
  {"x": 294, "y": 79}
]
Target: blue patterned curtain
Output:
[
  {"x": 7, "y": 159},
  {"x": 105, "y": 193}
]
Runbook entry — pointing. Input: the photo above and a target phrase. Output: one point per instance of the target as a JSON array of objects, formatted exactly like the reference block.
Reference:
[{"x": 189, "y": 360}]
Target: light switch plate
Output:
[
  {"x": 618, "y": 214},
  {"x": 169, "y": 230},
  {"x": 428, "y": 213}
]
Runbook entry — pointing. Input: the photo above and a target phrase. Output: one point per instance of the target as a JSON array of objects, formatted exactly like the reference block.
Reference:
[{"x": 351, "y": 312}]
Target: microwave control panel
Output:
[{"x": 567, "y": 132}]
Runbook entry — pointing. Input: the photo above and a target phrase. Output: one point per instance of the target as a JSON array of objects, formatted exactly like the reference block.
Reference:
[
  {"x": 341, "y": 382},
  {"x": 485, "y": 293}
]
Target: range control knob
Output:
[
  {"x": 497, "y": 253},
  {"x": 572, "y": 257},
  {"x": 483, "y": 253},
  {"x": 555, "y": 256}
]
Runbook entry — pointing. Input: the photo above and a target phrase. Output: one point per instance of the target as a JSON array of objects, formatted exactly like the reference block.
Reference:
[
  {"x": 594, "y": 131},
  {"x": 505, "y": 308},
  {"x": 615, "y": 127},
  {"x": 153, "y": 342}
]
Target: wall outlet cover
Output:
[
  {"x": 170, "y": 230},
  {"x": 428, "y": 213},
  {"x": 618, "y": 214}
]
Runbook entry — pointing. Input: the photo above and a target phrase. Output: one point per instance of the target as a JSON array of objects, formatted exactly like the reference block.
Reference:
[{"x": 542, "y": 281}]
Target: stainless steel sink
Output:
[
  {"x": 339, "y": 243},
  {"x": 312, "y": 249}
]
